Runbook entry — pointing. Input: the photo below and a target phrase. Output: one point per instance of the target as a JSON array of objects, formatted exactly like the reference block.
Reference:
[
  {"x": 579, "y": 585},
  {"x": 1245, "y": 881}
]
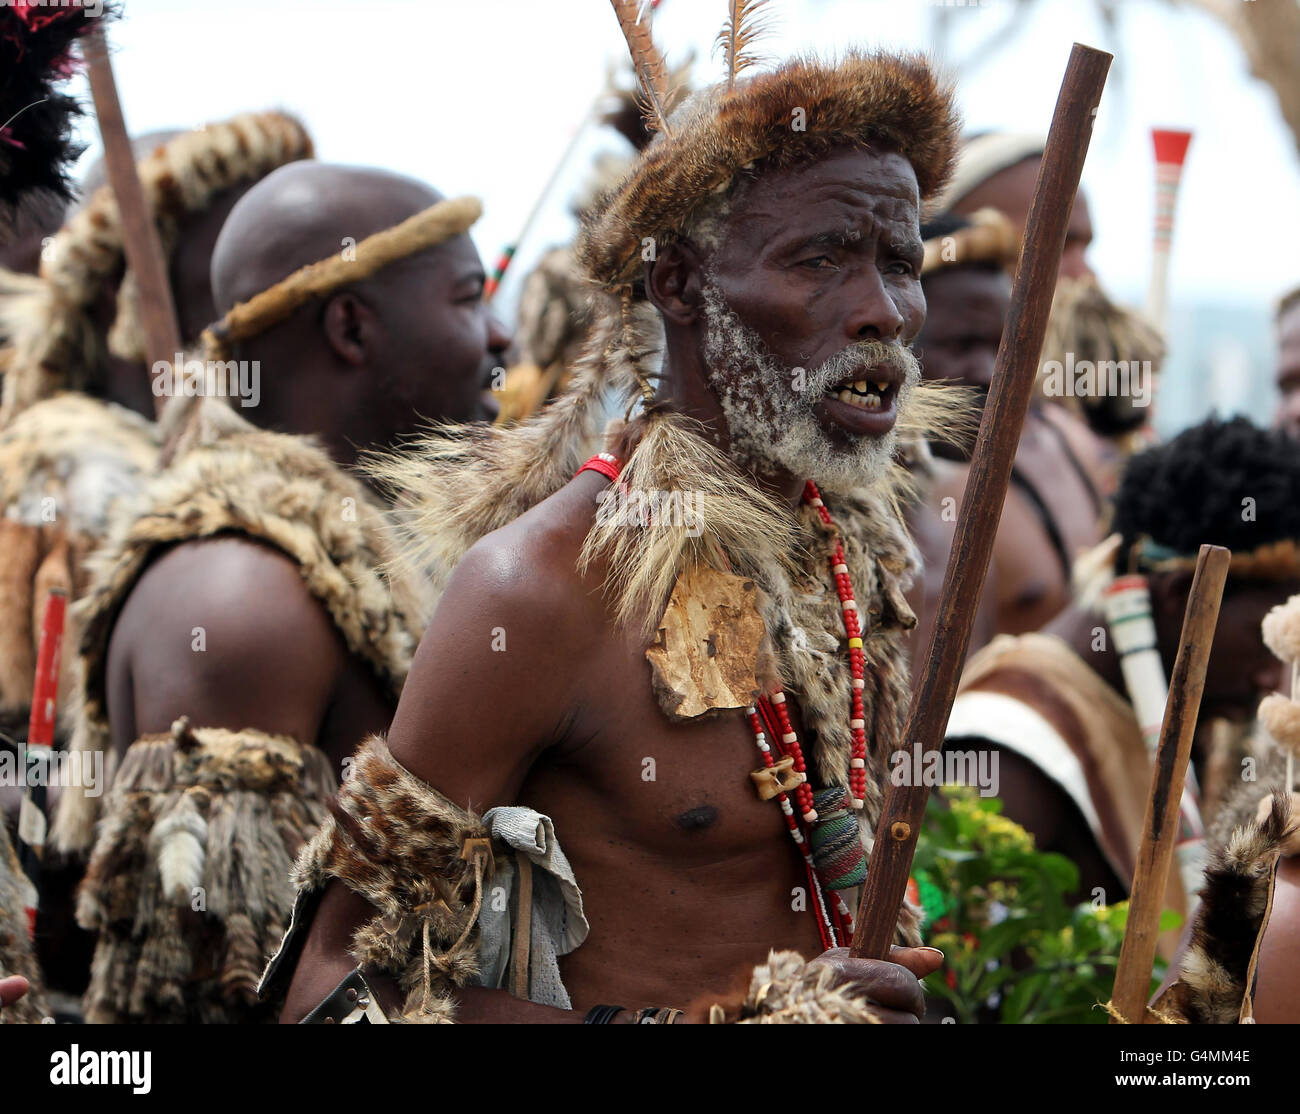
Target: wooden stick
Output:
[
  {"x": 1160, "y": 828},
  {"x": 144, "y": 252},
  {"x": 986, "y": 488}
]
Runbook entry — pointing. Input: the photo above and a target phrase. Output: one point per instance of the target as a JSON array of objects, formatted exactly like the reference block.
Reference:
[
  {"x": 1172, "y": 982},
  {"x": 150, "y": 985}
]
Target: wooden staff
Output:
[
  {"x": 1160, "y": 828},
  {"x": 144, "y": 252},
  {"x": 986, "y": 488}
]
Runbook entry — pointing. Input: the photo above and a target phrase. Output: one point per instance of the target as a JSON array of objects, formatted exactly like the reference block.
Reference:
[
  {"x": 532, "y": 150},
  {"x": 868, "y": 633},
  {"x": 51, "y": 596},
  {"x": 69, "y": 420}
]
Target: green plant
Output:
[{"x": 1016, "y": 951}]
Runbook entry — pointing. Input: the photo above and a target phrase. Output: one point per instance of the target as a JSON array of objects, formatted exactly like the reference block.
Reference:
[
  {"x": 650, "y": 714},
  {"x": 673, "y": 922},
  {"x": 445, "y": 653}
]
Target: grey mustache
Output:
[{"x": 867, "y": 353}]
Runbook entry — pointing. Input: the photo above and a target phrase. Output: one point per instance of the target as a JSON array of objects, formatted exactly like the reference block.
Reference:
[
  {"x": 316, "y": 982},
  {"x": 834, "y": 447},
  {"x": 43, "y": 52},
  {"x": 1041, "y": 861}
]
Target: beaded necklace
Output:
[{"x": 825, "y": 828}]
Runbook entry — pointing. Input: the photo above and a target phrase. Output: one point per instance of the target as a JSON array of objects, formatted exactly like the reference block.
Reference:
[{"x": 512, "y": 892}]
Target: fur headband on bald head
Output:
[
  {"x": 55, "y": 343},
  {"x": 787, "y": 116}
]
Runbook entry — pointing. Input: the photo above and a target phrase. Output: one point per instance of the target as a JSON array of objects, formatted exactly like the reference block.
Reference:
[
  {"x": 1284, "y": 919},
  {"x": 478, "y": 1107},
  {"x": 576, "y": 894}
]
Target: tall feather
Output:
[
  {"x": 744, "y": 24},
  {"x": 651, "y": 72}
]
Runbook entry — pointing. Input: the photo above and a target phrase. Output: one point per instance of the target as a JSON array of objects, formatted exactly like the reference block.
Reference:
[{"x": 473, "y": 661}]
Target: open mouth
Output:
[
  {"x": 865, "y": 405},
  {"x": 868, "y": 394}
]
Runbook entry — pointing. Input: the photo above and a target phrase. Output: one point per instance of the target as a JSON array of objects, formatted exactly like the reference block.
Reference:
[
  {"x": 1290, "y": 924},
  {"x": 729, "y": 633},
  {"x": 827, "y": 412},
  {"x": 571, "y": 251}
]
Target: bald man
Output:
[
  {"x": 246, "y": 630},
  {"x": 412, "y": 343}
]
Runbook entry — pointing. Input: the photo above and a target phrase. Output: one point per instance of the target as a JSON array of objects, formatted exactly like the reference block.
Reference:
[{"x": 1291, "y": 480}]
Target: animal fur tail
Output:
[
  {"x": 1218, "y": 966},
  {"x": 189, "y": 883}
]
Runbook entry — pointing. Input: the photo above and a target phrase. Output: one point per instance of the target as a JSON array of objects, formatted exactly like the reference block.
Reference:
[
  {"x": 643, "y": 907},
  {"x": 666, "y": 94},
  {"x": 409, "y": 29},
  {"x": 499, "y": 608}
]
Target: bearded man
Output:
[
  {"x": 608, "y": 664},
  {"x": 1053, "y": 508},
  {"x": 998, "y": 170},
  {"x": 242, "y": 629}
]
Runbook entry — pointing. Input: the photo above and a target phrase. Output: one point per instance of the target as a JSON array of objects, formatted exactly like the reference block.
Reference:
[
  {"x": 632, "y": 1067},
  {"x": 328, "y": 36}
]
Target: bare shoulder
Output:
[
  {"x": 528, "y": 570},
  {"x": 223, "y": 630},
  {"x": 505, "y": 656}
]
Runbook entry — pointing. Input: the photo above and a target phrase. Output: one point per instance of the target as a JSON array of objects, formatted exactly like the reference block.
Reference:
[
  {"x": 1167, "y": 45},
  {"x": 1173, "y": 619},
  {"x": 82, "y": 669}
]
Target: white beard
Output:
[{"x": 768, "y": 405}]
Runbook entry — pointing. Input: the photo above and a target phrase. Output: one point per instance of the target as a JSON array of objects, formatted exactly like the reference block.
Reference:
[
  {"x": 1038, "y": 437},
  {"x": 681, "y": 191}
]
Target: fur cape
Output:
[
  {"x": 55, "y": 342},
  {"x": 66, "y": 464},
  {"x": 211, "y": 810},
  {"x": 188, "y": 885},
  {"x": 1217, "y": 973},
  {"x": 280, "y": 489},
  {"x": 16, "y": 955}
]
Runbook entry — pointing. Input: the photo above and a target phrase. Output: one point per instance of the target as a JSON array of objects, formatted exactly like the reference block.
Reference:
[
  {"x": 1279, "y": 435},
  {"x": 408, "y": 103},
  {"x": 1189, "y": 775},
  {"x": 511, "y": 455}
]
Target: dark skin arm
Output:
[{"x": 271, "y": 657}]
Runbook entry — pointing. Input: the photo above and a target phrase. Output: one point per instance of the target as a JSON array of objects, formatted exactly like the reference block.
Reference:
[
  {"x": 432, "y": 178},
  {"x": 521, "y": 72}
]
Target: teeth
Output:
[
  {"x": 860, "y": 386},
  {"x": 882, "y": 387},
  {"x": 863, "y": 401}
]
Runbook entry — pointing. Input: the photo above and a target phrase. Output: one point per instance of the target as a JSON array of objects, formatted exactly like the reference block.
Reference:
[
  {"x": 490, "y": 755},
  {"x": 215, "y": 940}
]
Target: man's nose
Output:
[
  {"x": 499, "y": 337},
  {"x": 875, "y": 315}
]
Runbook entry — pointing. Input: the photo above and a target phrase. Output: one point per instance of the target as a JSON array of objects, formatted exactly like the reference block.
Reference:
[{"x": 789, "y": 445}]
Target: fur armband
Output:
[
  {"x": 189, "y": 883},
  {"x": 422, "y": 862},
  {"x": 786, "y": 990}
]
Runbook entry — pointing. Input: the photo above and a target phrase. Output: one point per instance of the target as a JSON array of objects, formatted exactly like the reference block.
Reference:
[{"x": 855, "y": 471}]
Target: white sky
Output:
[{"x": 482, "y": 98}]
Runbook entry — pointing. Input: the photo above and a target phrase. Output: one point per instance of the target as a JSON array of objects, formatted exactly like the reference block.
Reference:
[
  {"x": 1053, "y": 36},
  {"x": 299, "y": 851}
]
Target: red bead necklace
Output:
[{"x": 771, "y": 719}]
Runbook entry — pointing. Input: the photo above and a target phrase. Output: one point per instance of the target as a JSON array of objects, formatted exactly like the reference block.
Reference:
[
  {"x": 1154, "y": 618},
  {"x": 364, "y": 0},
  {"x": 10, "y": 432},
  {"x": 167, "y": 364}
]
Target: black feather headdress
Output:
[{"x": 36, "y": 117}]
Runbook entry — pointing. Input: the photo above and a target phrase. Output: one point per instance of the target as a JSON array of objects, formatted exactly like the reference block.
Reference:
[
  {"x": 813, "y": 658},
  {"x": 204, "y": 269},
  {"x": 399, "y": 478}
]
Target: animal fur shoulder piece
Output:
[
  {"x": 863, "y": 98},
  {"x": 188, "y": 886},
  {"x": 1217, "y": 971},
  {"x": 16, "y": 956},
  {"x": 66, "y": 464},
  {"x": 56, "y": 344},
  {"x": 278, "y": 489},
  {"x": 422, "y": 862}
]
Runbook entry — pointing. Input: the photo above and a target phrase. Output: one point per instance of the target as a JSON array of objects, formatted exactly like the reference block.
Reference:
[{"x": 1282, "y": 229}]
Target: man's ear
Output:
[
  {"x": 674, "y": 282},
  {"x": 349, "y": 326}
]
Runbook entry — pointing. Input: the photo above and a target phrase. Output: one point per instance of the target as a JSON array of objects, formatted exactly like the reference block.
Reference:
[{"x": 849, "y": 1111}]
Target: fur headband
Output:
[{"x": 435, "y": 225}]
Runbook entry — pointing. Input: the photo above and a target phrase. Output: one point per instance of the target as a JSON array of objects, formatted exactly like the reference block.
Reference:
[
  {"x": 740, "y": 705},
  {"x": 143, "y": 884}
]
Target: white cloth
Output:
[
  {"x": 558, "y": 922},
  {"x": 1015, "y": 725}
]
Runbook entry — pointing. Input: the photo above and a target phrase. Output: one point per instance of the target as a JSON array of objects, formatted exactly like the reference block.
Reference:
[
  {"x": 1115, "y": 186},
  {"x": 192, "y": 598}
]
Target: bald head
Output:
[
  {"x": 369, "y": 362},
  {"x": 301, "y": 214}
]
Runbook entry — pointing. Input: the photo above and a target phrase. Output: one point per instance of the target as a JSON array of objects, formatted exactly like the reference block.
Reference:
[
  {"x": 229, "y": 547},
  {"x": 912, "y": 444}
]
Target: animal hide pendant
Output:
[{"x": 705, "y": 657}]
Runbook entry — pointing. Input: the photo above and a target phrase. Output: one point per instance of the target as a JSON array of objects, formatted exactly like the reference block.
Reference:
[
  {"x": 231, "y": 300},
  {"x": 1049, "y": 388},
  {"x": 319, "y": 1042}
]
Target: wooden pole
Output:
[
  {"x": 1160, "y": 828},
  {"x": 144, "y": 254},
  {"x": 986, "y": 488}
]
